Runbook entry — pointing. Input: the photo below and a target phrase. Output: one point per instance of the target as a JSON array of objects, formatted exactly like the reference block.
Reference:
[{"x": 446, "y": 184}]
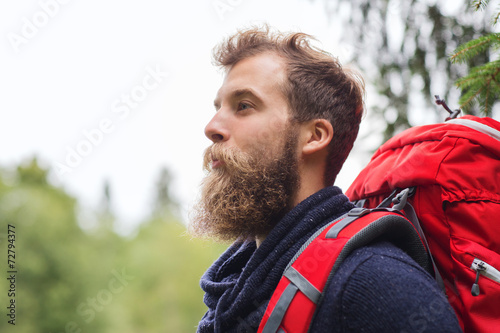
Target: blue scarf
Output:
[{"x": 240, "y": 283}]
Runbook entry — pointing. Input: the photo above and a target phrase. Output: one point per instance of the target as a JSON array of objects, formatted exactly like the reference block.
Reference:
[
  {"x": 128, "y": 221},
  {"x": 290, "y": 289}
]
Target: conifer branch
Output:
[
  {"x": 481, "y": 84},
  {"x": 470, "y": 99},
  {"x": 474, "y": 47},
  {"x": 488, "y": 89},
  {"x": 495, "y": 19},
  {"x": 479, "y": 4},
  {"x": 486, "y": 98},
  {"x": 498, "y": 85}
]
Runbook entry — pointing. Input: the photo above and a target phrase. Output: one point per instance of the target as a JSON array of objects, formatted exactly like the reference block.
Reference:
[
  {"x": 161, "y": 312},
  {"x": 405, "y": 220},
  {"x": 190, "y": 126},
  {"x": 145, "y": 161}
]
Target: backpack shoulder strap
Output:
[{"x": 294, "y": 301}]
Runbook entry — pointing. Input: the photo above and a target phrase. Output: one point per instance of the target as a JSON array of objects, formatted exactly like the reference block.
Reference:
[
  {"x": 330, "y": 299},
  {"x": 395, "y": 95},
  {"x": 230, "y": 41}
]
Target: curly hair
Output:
[{"x": 317, "y": 86}]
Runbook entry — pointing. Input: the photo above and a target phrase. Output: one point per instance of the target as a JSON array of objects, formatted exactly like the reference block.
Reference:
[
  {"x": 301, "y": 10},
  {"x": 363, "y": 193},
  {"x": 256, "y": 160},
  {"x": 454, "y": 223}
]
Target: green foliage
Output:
[
  {"x": 481, "y": 84},
  {"x": 403, "y": 49},
  {"x": 163, "y": 202},
  {"x": 168, "y": 266},
  {"x": 471, "y": 49},
  {"x": 479, "y": 4},
  {"x": 48, "y": 245},
  {"x": 70, "y": 280},
  {"x": 32, "y": 173}
]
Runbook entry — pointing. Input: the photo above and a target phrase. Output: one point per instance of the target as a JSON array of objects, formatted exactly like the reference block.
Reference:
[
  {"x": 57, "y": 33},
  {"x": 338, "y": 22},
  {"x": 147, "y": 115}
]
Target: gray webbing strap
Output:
[
  {"x": 297, "y": 282},
  {"x": 274, "y": 321},
  {"x": 353, "y": 214},
  {"x": 360, "y": 203},
  {"x": 303, "y": 284},
  {"x": 412, "y": 216}
]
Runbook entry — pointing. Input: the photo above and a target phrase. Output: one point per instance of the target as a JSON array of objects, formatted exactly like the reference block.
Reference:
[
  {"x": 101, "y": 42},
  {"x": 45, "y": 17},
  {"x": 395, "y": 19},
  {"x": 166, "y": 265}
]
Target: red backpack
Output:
[
  {"x": 450, "y": 174},
  {"x": 320, "y": 257},
  {"x": 455, "y": 170}
]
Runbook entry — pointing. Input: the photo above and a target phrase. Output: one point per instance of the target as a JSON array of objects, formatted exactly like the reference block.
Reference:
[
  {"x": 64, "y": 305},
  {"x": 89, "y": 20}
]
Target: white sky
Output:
[{"x": 65, "y": 70}]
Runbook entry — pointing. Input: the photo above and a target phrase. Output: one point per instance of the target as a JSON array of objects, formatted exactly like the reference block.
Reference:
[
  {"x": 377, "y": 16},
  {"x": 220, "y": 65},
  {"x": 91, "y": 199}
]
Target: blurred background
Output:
[{"x": 103, "y": 106}]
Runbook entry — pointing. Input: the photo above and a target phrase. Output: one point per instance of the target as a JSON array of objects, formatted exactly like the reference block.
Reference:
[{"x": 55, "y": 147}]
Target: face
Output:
[
  {"x": 251, "y": 110},
  {"x": 252, "y": 164}
]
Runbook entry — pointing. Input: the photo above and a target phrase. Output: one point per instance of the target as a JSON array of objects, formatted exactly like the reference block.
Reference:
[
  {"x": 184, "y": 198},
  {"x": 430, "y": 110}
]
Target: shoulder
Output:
[{"x": 380, "y": 288}]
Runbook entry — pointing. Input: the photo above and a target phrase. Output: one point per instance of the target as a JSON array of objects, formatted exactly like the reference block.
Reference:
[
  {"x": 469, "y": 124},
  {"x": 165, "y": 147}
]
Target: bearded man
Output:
[{"x": 287, "y": 115}]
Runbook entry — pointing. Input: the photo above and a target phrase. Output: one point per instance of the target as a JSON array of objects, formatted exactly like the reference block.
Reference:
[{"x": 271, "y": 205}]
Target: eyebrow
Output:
[{"x": 241, "y": 92}]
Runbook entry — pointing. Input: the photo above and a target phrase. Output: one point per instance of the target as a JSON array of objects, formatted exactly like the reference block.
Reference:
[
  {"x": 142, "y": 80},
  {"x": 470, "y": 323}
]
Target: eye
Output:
[{"x": 242, "y": 106}]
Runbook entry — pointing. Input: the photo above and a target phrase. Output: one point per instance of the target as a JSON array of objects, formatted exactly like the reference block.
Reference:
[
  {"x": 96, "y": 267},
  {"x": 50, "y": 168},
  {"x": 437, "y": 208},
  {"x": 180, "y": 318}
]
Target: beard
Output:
[{"x": 247, "y": 195}]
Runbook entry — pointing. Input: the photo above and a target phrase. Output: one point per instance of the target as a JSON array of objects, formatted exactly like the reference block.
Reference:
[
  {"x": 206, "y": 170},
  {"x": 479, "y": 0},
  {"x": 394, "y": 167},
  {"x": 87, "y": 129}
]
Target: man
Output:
[{"x": 286, "y": 117}]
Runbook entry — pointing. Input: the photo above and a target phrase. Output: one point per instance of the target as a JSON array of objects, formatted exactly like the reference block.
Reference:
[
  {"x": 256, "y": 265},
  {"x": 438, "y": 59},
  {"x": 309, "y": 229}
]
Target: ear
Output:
[{"x": 318, "y": 133}]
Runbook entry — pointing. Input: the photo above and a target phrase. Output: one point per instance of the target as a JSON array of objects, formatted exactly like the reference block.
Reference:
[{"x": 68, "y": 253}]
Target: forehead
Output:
[{"x": 262, "y": 74}]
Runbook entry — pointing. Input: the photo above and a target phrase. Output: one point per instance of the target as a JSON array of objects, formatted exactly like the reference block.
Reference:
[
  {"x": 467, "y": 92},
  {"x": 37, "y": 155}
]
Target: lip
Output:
[{"x": 217, "y": 164}]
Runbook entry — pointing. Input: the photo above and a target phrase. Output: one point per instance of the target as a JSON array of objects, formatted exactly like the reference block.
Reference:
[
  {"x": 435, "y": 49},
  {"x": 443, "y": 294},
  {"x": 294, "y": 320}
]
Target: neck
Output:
[
  {"x": 311, "y": 180},
  {"x": 306, "y": 189}
]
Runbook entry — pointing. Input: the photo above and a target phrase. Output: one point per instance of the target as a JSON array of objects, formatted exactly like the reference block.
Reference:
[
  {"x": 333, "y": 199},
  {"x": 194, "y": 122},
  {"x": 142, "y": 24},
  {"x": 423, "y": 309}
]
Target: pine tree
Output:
[
  {"x": 481, "y": 85},
  {"x": 164, "y": 205},
  {"x": 403, "y": 49}
]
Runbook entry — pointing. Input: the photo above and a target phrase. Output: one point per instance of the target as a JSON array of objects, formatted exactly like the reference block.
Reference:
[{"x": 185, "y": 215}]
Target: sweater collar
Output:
[{"x": 240, "y": 283}]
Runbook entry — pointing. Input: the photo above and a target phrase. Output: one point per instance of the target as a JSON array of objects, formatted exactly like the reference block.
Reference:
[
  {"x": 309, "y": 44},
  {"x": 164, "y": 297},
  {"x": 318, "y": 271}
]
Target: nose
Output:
[{"x": 217, "y": 129}]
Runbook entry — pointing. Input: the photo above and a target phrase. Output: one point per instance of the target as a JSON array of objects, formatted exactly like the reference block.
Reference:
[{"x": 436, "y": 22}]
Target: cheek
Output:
[{"x": 270, "y": 130}]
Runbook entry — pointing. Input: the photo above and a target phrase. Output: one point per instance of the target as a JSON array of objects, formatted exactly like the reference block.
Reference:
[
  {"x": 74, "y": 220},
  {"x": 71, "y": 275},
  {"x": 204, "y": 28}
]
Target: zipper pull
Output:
[{"x": 475, "y": 287}]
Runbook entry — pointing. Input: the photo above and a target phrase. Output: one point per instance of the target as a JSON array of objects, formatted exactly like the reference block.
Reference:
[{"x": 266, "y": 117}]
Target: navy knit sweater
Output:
[{"x": 378, "y": 288}]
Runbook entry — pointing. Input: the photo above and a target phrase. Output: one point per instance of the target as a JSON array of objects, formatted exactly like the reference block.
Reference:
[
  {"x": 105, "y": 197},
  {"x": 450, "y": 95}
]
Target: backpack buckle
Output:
[
  {"x": 401, "y": 198},
  {"x": 358, "y": 212}
]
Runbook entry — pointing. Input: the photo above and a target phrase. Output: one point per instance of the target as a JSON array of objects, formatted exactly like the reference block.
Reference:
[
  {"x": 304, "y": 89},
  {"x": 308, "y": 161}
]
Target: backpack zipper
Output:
[{"x": 487, "y": 270}]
